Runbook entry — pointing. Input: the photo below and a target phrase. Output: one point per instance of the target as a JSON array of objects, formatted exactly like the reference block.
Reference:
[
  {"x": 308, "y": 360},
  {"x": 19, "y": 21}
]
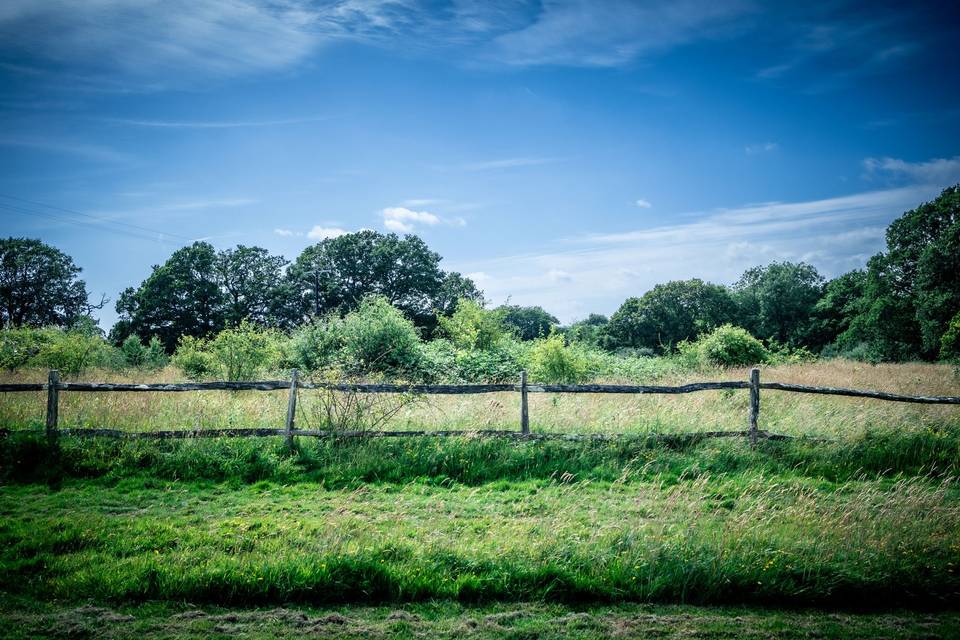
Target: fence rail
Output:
[{"x": 54, "y": 386}]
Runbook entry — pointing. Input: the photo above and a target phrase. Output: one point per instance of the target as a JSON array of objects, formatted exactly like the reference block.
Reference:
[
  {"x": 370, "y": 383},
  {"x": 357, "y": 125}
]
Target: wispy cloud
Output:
[
  {"x": 95, "y": 152},
  {"x": 938, "y": 171},
  {"x": 613, "y": 32},
  {"x": 643, "y": 204},
  {"x": 214, "y": 124},
  {"x": 761, "y": 147},
  {"x": 596, "y": 272},
  {"x": 509, "y": 163}
]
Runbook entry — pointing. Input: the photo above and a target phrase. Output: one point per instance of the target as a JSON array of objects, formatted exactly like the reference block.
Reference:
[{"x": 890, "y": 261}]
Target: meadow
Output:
[{"x": 859, "y": 515}]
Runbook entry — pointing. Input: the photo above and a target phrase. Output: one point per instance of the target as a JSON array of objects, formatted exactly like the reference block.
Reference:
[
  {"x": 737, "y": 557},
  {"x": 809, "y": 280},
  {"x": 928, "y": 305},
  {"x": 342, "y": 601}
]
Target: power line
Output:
[{"x": 131, "y": 230}]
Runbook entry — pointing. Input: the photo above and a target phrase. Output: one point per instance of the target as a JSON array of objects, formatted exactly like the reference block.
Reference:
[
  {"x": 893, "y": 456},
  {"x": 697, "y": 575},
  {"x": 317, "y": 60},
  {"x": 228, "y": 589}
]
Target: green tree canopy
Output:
[
  {"x": 181, "y": 297},
  {"x": 39, "y": 285},
  {"x": 529, "y": 323},
  {"x": 668, "y": 313},
  {"x": 777, "y": 301},
  {"x": 337, "y": 273},
  {"x": 913, "y": 289},
  {"x": 249, "y": 279}
]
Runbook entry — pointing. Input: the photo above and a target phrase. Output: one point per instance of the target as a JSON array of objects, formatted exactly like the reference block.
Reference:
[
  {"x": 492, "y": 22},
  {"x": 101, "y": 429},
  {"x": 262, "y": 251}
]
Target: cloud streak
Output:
[{"x": 596, "y": 272}]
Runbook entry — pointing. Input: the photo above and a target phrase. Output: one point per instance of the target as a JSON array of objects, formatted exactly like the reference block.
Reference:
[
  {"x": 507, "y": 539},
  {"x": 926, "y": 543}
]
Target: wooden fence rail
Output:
[{"x": 54, "y": 386}]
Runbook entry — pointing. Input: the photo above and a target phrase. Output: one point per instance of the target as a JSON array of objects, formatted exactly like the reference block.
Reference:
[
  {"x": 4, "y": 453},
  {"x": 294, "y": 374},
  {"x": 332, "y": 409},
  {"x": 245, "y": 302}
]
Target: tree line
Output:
[{"x": 904, "y": 305}]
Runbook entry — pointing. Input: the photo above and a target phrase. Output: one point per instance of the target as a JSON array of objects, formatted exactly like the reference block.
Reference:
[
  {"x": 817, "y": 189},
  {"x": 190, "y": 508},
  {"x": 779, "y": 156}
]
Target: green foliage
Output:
[
  {"x": 527, "y": 323},
  {"x": 501, "y": 362},
  {"x": 316, "y": 346},
  {"x": 667, "y": 314},
  {"x": 179, "y": 298},
  {"x": 73, "y": 352},
  {"x": 239, "y": 353},
  {"x": 336, "y": 274},
  {"x": 39, "y": 285},
  {"x": 552, "y": 361},
  {"x": 950, "y": 341},
  {"x": 589, "y": 331},
  {"x": 249, "y": 278},
  {"x": 378, "y": 338},
  {"x": 777, "y": 301},
  {"x": 472, "y": 327},
  {"x": 725, "y": 346},
  {"x": 191, "y": 358},
  {"x": 242, "y": 352},
  {"x": 149, "y": 356},
  {"x": 19, "y": 345},
  {"x": 913, "y": 289}
]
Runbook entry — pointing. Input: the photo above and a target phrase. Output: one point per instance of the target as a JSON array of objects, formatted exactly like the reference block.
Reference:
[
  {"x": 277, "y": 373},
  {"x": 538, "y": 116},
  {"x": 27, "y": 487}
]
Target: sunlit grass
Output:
[{"x": 781, "y": 412}]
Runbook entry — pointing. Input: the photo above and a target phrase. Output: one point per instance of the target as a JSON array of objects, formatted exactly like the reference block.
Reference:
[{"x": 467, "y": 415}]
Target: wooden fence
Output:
[{"x": 54, "y": 386}]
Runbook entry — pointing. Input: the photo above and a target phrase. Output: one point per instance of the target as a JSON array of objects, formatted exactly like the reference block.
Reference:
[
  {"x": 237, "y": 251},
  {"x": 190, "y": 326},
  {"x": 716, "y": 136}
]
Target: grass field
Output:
[{"x": 424, "y": 537}]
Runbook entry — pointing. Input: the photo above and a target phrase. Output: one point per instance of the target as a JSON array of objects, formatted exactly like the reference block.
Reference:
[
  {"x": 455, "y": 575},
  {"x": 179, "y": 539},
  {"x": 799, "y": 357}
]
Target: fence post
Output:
[
  {"x": 53, "y": 404},
  {"x": 524, "y": 413},
  {"x": 291, "y": 408},
  {"x": 754, "y": 404}
]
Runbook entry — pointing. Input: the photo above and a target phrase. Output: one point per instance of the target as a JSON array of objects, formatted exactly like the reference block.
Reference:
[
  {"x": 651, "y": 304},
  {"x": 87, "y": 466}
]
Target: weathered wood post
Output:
[
  {"x": 754, "y": 404},
  {"x": 53, "y": 404},
  {"x": 524, "y": 412},
  {"x": 291, "y": 408}
]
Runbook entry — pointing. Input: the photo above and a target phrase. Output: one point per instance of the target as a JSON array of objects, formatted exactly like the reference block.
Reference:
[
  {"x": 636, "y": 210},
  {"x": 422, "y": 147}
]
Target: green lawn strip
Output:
[
  {"x": 21, "y": 619},
  {"x": 746, "y": 538}
]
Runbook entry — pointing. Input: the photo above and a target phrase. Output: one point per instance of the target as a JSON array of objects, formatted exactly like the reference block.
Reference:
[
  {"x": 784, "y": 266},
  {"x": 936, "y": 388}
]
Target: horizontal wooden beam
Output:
[
  {"x": 859, "y": 393},
  {"x": 625, "y": 388}
]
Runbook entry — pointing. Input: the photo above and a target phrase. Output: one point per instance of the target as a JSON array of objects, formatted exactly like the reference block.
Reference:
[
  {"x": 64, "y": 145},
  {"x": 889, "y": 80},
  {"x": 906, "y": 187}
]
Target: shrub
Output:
[
  {"x": 133, "y": 351},
  {"x": 950, "y": 341},
  {"x": 19, "y": 345},
  {"x": 191, "y": 358},
  {"x": 552, "y": 361},
  {"x": 725, "y": 346},
  {"x": 378, "y": 338},
  {"x": 472, "y": 327},
  {"x": 73, "y": 352},
  {"x": 240, "y": 353},
  {"x": 317, "y": 346},
  {"x": 500, "y": 362}
]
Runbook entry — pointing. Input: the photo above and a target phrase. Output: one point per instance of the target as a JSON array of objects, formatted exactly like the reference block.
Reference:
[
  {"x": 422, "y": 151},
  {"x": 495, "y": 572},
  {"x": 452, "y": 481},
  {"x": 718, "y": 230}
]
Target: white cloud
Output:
[
  {"x": 596, "y": 272},
  {"x": 404, "y": 220},
  {"x": 643, "y": 204},
  {"x": 322, "y": 233},
  {"x": 287, "y": 233},
  {"x": 939, "y": 171},
  {"x": 761, "y": 147}
]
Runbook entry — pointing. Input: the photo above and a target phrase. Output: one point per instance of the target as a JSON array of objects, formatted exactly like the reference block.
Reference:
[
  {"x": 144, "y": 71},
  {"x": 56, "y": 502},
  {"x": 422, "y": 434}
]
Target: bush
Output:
[
  {"x": 317, "y": 346},
  {"x": 500, "y": 362},
  {"x": 472, "y": 327},
  {"x": 73, "y": 352},
  {"x": 725, "y": 346},
  {"x": 151, "y": 356},
  {"x": 378, "y": 338},
  {"x": 553, "y": 362},
  {"x": 19, "y": 345},
  {"x": 950, "y": 341},
  {"x": 191, "y": 358},
  {"x": 244, "y": 351}
]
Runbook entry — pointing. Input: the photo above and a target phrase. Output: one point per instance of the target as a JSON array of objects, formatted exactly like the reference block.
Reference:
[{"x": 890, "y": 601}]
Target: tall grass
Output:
[{"x": 781, "y": 412}]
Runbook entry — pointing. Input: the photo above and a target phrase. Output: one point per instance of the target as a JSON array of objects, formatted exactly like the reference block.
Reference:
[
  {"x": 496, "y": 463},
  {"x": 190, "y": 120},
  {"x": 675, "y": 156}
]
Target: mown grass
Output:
[{"x": 528, "y": 620}]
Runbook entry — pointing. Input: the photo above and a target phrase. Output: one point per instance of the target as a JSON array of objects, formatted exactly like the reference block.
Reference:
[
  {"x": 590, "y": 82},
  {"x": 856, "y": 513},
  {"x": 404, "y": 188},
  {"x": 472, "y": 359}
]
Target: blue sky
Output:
[{"x": 567, "y": 154}]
